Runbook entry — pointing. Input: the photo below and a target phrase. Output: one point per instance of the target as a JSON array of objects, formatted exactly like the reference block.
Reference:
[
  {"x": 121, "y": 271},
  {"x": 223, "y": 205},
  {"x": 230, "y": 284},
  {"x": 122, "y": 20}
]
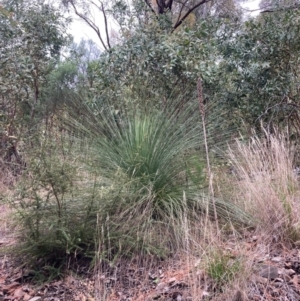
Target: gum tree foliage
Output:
[
  {"x": 129, "y": 15},
  {"x": 85, "y": 54},
  {"x": 259, "y": 71},
  {"x": 32, "y": 35},
  {"x": 152, "y": 66},
  {"x": 278, "y": 5},
  {"x": 170, "y": 14},
  {"x": 152, "y": 57},
  {"x": 151, "y": 61},
  {"x": 249, "y": 66}
]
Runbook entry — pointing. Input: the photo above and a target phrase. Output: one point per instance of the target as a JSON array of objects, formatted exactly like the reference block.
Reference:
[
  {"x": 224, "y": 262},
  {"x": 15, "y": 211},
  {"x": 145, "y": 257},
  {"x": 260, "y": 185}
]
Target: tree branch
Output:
[
  {"x": 169, "y": 4},
  {"x": 91, "y": 24},
  {"x": 147, "y": 2},
  {"x": 179, "y": 22},
  {"x": 181, "y": 9},
  {"x": 106, "y": 26},
  {"x": 161, "y": 6},
  {"x": 100, "y": 7}
]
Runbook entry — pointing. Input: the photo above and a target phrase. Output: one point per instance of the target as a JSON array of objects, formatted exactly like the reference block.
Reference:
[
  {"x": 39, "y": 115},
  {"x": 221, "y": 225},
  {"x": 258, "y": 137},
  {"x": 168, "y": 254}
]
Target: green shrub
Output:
[
  {"x": 56, "y": 203},
  {"x": 120, "y": 183}
]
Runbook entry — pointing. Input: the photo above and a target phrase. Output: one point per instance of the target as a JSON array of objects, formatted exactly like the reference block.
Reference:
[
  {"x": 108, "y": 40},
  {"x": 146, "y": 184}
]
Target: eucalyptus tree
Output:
[
  {"x": 130, "y": 15},
  {"x": 259, "y": 71},
  {"x": 31, "y": 40},
  {"x": 174, "y": 12},
  {"x": 155, "y": 57},
  {"x": 85, "y": 54}
]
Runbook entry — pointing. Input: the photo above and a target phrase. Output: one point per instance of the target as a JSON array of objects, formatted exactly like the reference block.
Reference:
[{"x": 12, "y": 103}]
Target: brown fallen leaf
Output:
[
  {"x": 26, "y": 297},
  {"x": 296, "y": 281},
  {"x": 19, "y": 294},
  {"x": 80, "y": 297},
  {"x": 57, "y": 283},
  {"x": 9, "y": 288}
]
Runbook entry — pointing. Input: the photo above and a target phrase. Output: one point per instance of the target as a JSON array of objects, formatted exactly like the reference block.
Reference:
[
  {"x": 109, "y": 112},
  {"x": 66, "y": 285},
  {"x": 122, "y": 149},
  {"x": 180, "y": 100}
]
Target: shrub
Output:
[
  {"x": 116, "y": 182},
  {"x": 55, "y": 203}
]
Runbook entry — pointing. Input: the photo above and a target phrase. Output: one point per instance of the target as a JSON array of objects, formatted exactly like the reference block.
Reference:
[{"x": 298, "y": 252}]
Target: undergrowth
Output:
[{"x": 117, "y": 184}]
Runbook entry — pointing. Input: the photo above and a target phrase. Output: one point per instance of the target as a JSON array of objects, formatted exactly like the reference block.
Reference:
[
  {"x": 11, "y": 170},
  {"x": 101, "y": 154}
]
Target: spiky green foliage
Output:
[
  {"x": 117, "y": 181},
  {"x": 148, "y": 161}
]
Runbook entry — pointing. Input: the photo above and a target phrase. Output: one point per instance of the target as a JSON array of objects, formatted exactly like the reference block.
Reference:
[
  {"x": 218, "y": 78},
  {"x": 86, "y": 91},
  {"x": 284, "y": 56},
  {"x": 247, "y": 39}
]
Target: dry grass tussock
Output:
[
  {"x": 265, "y": 184},
  {"x": 207, "y": 267}
]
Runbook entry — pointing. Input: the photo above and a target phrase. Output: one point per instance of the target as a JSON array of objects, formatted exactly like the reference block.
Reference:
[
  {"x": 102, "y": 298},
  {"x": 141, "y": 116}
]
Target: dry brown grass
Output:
[
  {"x": 265, "y": 184},
  {"x": 202, "y": 250}
]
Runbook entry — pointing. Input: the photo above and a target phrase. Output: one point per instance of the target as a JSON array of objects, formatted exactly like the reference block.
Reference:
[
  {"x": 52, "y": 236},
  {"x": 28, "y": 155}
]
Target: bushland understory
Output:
[{"x": 156, "y": 207}]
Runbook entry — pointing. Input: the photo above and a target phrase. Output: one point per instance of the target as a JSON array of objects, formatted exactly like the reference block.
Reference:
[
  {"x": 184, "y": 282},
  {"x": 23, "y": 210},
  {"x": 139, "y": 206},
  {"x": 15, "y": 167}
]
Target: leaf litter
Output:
[{"x": 170, "y": 279}]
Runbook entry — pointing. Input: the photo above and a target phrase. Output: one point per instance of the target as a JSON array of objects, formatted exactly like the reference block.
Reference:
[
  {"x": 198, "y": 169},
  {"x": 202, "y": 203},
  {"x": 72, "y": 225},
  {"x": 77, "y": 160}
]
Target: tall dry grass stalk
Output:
[
  {"x": 210, "y": 175},
  {"x": 266, "y": 185},
  {"x": 214, "y": 270}
]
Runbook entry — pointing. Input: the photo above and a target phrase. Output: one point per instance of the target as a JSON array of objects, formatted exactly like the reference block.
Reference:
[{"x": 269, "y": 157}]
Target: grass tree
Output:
[{"x": 134, "y": 176}]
